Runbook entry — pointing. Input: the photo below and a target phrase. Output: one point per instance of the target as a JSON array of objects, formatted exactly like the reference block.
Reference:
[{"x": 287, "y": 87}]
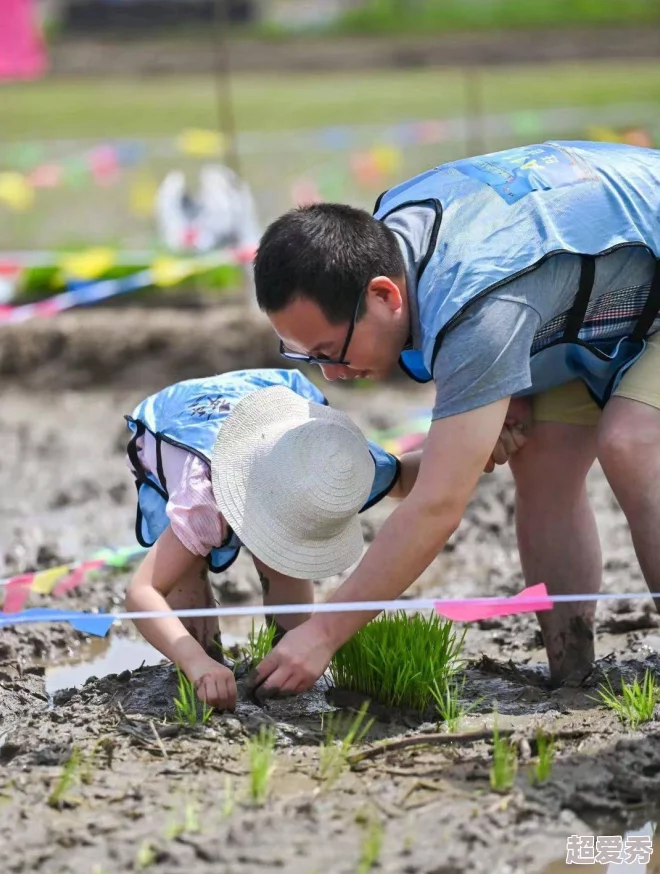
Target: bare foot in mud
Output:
[{"x": 571, "y": 653}]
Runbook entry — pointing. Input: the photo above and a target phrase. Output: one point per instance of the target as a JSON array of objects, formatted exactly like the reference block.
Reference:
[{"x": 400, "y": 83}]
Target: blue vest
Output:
[
  {"x": 190, "y": 414},
  {"x": 501, "y": 215}
]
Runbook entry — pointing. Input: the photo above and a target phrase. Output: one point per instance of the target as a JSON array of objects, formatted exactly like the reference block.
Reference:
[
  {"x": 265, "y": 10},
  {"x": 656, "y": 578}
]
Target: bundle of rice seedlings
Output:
[{"x": 399, "y": 659}]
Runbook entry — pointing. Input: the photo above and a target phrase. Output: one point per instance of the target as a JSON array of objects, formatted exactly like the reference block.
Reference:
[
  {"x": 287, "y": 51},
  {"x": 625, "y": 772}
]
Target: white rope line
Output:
[{"x": 330, "y": 607}]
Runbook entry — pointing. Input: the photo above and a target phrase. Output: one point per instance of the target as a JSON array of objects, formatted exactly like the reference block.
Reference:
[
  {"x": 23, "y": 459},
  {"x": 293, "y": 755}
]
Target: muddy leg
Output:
[
  {"x": 280, "y": 589},
  {"x": 558, "y": 539},
  {"x": 194, "y": 591}
]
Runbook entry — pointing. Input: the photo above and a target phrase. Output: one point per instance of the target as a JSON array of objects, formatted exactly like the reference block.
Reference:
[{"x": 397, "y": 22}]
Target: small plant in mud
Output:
[
  {"x": 637, "y": 701},
  {"x": 449, "y": 705},
  {"x": 541, "y": 769},
  {"x": 398, "y": 659},
  {"x": 259, "y": 643},
  {"x": 335, "y": 751},
  {"x": 260, "y": 753},
  {"x": 228, "y": 803},
  {"x": 70, "y": 777},
  {"x": 371, "y": 847},
  {"x": 189, "y": 824},
  {"x": 146, "y": 856},
  {"x": 505, "y": 763},
  {"x": 189, "y": 711}
]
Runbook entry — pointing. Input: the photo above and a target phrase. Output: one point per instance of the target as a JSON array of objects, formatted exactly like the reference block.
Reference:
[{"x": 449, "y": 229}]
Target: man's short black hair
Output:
[{"x": 327, "y": 252}]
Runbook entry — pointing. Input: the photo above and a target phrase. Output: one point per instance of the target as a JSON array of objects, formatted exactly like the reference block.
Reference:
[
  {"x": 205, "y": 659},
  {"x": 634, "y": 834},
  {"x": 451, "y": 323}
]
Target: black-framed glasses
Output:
[{"x": 322, "y": 359}]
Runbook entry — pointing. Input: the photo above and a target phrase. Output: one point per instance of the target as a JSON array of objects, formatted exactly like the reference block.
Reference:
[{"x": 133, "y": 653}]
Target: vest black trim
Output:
[
  {"x": 433, "y": 239},
  {"x": 141, "y": 479},
  {"x": 524, "y": 272},
  {"x": 651, "y": 307},
  {"x": 386, "y": 490}
]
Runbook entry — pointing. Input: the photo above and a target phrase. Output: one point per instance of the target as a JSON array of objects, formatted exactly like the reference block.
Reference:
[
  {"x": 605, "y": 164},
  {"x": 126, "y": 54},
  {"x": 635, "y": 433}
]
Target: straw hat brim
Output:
[{"x": 244, "y": 500}]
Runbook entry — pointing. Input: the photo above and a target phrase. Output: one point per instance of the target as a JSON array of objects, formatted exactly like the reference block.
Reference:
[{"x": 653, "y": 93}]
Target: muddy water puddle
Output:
[{"x": 114, "y": 654}]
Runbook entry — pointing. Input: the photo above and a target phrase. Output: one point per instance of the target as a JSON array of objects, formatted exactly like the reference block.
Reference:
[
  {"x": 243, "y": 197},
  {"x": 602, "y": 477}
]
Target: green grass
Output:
[
  {"x": 127, "y": 107},
  {"x": 260, "y": 757},
  {"x": 259, "y": 643},
  {"x": 449, "y": 706},
  {"x": 340, "y": 739},
  {"x": 541, "y": 769},
  {"x": 504, "y": 765},
  {"x": 637, "y": 701},
  {"x": 70, "y": 777},
  {"x": 189, "y": 711},
  {"x": 425, "y": 16},
  {"x": 370, "y": 847},
  {"x": 397, "y": 659}
]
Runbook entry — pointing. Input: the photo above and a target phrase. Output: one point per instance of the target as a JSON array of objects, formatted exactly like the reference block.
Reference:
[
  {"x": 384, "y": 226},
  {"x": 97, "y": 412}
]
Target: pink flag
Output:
[
  {"x": 530, "y": 600},
  {"x": 22, "y": 53}
]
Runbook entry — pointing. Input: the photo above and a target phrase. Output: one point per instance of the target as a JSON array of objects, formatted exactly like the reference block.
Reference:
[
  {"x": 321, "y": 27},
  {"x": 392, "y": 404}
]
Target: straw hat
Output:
[{"x": 290, "y": 476}]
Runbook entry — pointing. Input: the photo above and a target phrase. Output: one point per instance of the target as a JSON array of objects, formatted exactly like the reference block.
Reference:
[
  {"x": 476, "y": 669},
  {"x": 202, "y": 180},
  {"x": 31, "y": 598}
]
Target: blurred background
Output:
[{"x": 135, "y": 134}]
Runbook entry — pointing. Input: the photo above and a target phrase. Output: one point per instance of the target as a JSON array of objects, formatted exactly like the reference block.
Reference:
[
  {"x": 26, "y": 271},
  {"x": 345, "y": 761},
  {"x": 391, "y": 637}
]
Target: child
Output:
[{"x": 252, "y": 457}]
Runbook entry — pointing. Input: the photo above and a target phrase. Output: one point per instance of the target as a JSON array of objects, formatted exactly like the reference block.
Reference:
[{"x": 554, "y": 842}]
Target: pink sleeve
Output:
[{"x": 192, "y": 510}]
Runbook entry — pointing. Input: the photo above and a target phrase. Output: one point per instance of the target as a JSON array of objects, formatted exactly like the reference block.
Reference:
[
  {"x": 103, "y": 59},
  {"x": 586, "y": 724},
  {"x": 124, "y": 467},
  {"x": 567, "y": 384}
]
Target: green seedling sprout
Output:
[
  {"x": 146, "y": 856},
  {"x": 448, "y": 703},
  {"x": 541, "y": 770},
  {"x": 189, "y": 825},
  {"x": 187, "y": 705},
  {"x": 69, "y": 777},
  {"x": 371, "y": 847},
  {"x": 334, "y": 752},
  {"x": 228, "y": 803},
  {"x": 397, "y": 659},
  {"x": 260, "y": 751},
  {"x": 637, "y": 701},
  {"x": 505, "y": 763}
]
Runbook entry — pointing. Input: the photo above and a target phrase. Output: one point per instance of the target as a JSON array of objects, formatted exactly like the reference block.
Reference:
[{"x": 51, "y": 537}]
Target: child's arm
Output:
[
  {"x": 408, "y": 470},
  {"x": 166, "y": 563}
]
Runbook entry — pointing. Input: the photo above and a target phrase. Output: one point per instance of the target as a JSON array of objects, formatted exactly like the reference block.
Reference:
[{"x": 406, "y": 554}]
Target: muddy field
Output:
[{"x": 148, "y": 795}]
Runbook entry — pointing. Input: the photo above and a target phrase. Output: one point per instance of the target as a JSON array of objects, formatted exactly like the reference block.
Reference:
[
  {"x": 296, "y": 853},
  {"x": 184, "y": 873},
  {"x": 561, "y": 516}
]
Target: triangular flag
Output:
[
  {"x": 45, "y": 581},
  {"x": 531, "y": 600}
]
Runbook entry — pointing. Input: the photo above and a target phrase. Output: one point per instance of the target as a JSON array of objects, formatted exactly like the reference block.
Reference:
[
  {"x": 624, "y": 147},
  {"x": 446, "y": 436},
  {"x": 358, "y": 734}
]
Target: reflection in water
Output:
[
  {"x": 112, "y": 655},
  {"x": 650, "y": 867}
]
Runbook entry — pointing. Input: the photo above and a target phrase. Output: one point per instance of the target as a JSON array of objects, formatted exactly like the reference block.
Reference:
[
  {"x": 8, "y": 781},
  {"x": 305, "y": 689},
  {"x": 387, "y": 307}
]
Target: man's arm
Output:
[{"x": 454, "y": 456}]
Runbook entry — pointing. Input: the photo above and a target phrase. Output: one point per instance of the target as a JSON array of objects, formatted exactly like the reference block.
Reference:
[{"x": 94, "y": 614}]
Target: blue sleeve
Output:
[{"x": 387, "y": 473}]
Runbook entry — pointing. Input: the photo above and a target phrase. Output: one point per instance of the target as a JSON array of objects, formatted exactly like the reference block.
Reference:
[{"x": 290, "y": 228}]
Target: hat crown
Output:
[{"x": 315, "y": 475}]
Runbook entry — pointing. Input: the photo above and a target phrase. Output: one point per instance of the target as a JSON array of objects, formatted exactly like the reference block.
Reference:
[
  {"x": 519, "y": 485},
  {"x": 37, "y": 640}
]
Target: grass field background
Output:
[
  {"x": 55, "y": 108},
  {"x": 93, "y": 109}
]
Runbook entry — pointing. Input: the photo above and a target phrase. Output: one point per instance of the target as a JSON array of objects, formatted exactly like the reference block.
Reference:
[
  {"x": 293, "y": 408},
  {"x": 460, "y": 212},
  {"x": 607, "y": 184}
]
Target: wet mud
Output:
[{"x": 144, "y": 793}]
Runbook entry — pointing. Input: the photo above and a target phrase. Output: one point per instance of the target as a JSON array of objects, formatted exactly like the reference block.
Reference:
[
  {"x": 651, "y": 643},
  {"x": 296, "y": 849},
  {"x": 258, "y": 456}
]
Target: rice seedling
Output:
[
  {"x": 540, "y": 770},
  {"x": 449, "y": 705},
  {"x": 69, "y": 777},
  {"x": 228, "y": 803},
  {"x": 186, "y": 704},
  {"x": 146, "y": 856},
  {"x": 190, "y": 823},
  {"x": 637, "y": 701},
  {"x": 371, "y": 846},
  {"x": 260, "y": 752},
  {"x": 505, "y": 763},
  {"x": 334, "y": 752},
  {"x": 259, "y": 643},
  {"x": 397, "y": 659}
]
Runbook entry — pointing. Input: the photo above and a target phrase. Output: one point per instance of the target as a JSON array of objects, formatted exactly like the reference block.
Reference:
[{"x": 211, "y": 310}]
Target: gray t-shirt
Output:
[{"x": 485, "y": 356}]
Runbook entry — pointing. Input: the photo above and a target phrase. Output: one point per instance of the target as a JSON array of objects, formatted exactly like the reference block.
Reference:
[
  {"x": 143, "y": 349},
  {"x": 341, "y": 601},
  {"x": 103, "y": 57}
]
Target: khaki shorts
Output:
[{"x": 571, "y": 404}]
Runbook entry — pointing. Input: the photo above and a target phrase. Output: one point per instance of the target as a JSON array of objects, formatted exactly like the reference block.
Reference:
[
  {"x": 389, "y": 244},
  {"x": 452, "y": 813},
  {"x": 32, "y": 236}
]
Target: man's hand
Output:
[
  {"x": 214, "y": 683},
  {"x": 294, "y": 665},
  {"x": 512, "y": 438}
]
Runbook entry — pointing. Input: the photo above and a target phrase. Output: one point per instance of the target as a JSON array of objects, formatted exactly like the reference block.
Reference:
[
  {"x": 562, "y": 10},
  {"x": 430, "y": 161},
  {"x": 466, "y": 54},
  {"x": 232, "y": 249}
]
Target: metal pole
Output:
[{"x": 222, "y": 64}]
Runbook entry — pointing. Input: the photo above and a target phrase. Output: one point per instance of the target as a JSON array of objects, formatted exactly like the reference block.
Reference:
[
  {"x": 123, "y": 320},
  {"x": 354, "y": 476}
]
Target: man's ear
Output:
[{"x": 385, "y": 291}]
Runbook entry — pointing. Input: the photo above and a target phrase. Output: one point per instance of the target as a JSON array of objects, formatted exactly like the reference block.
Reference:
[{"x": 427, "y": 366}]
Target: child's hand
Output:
[
  {"x": 512, "y": 438},
  {"x": 214, "y": 683}
]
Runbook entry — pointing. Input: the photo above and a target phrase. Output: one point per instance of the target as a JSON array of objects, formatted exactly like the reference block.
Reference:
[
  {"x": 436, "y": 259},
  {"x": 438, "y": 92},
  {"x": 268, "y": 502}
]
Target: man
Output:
[{"x": 532, "y": 271}]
